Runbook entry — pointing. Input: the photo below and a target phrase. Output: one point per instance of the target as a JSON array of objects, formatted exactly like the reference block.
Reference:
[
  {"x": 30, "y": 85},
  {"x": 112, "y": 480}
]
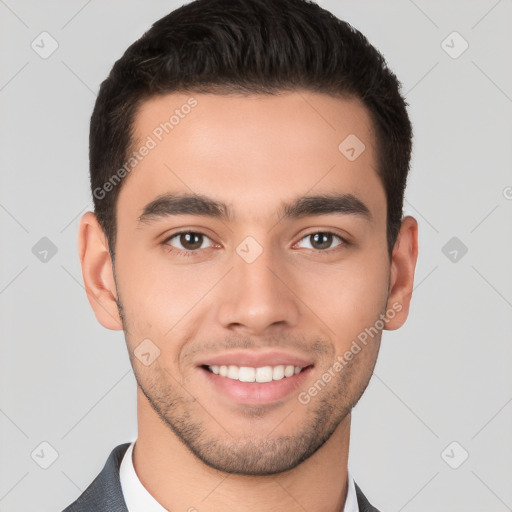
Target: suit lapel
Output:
[
  {"x": 363, "y": 503},
  {"x": 105, "y": 492}
]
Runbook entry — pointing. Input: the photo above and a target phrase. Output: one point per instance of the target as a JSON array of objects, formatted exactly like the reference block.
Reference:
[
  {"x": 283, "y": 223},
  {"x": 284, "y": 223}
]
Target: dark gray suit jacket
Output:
[{"x": 105, "y": 494}]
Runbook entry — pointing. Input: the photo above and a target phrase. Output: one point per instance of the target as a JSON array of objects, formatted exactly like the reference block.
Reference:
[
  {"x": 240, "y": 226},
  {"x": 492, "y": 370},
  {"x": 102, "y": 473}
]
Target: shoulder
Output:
[{"x": 104, "y": 493}]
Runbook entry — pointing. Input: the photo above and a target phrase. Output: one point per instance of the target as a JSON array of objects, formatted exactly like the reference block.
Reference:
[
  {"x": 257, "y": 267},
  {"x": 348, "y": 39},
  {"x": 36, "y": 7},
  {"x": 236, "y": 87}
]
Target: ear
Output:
[
  {"x": 97, "y": 272},
  {"x": 403, "y": 264}
]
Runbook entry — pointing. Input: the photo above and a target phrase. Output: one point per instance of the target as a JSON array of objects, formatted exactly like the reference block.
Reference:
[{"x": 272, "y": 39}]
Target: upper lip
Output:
[{"x": 256, "y": 359}]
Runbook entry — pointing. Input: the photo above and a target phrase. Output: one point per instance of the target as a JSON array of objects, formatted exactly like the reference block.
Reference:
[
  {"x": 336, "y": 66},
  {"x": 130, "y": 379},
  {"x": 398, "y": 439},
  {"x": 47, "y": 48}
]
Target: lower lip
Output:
[{"x": 256, "y": 393}]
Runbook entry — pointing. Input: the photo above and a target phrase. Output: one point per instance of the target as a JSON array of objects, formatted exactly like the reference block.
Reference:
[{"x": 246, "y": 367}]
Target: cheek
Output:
[
  {"x": 158, "y": 297},
  {"x": 347, "y": 298}
]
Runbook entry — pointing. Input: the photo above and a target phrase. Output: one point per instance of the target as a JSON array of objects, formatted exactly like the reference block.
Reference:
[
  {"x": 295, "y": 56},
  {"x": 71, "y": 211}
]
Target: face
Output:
[{"x": 272, "y": 274}]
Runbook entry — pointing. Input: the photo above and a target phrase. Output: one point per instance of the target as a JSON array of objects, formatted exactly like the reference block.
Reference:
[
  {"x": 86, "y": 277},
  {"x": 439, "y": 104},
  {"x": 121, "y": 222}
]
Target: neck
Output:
[{"x": 179, "y": 481}]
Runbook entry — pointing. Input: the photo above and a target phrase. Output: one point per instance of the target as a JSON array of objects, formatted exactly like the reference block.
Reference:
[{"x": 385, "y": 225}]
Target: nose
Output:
[{"x": 258, "y": 296}]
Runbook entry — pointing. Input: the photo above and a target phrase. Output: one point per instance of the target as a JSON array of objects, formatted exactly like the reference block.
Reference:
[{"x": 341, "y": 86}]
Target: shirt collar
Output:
[{"x": 136, "y": 496}]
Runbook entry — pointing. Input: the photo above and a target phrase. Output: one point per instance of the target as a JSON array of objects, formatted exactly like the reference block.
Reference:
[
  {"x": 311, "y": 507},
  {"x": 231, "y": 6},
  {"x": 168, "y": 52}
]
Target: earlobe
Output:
[
  {"x": 403, "y": 265},
  {"x": 97, "y": 272}
]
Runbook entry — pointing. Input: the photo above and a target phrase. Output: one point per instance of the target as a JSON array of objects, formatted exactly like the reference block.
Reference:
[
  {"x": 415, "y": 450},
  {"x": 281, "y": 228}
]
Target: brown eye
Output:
[
  {"x": 322, "y": 240},
  {"x": 187, "y": 240}
]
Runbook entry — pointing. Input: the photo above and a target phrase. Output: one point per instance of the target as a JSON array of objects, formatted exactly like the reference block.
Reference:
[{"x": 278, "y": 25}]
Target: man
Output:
[{"x": 248, "y": 163}]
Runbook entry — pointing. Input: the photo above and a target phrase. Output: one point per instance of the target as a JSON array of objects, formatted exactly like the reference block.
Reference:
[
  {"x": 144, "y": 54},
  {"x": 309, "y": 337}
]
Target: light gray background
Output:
[{"x": 444, "y": 377}]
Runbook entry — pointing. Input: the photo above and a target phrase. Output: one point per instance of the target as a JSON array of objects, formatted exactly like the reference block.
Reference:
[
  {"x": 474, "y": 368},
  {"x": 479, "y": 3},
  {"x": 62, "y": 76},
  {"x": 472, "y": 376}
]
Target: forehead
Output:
[{"x": 251, "y": 151}]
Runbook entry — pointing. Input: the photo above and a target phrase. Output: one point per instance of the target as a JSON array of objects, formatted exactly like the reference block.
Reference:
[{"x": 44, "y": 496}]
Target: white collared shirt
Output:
[{"x": 138, "y": 499}]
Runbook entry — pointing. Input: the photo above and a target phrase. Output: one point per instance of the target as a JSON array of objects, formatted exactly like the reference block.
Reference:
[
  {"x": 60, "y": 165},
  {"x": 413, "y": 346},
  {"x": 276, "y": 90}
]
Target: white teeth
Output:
[
  {"x": 278, "y": 372},
  {"x": 264, "y": 374},
  {"x": 261, "y": 374},
  {"x": 246, "y": 374},
  {"x": 233, "y": 371},
  {"x": 289, "y": 370}
]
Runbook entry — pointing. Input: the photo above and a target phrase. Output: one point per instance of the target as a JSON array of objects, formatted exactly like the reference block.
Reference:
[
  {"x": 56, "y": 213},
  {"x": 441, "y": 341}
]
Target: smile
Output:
[
  {"x": 255, "y": 385},
  {"x": 259, "y": 374}
]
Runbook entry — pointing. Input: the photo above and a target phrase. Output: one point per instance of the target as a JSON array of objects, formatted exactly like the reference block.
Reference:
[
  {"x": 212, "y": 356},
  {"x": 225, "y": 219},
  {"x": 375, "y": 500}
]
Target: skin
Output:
[{"x": 196, "y": 447}]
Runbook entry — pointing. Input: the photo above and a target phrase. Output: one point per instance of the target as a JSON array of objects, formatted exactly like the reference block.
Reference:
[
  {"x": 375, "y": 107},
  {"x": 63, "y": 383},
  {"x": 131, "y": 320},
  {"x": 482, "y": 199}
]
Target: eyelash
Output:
[{"x": 192, "y": 253}]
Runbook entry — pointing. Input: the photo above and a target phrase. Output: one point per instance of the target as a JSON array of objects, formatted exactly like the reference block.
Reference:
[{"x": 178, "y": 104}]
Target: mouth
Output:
[
  {"x": 254, "y": 385},
  {"x": 259, "y": 374}
]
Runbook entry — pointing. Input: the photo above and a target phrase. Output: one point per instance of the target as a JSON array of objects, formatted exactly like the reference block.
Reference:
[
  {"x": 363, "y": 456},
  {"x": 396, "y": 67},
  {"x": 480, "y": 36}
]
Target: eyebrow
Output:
[{"x": 197, "y": 204}]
